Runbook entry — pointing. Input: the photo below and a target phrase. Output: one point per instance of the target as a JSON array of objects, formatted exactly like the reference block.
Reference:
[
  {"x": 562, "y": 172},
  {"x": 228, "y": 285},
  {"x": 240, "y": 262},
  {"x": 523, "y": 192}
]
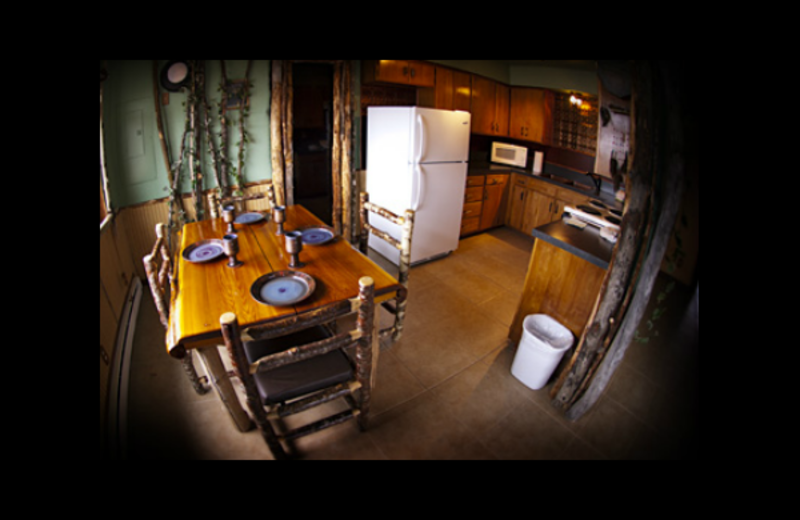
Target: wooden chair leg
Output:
[
  {"x": 191, "y": 373},
  {"x": 365, "y": 349},
  {"x": 233, "y": 342}
]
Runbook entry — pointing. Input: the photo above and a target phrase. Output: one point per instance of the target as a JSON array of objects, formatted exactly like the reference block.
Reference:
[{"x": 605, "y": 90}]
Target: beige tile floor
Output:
[{"x": 445, "y": 390}]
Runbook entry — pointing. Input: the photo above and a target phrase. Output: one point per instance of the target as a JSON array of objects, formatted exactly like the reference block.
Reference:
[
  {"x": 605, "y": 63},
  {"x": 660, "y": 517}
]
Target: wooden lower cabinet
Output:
[
  {"x": 485, "y": 202},
  {"x": 533, "y": 202},
  {"x": 495, "y": 200}
]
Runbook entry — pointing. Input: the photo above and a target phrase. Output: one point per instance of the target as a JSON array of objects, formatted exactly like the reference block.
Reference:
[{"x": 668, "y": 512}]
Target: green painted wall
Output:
[{"x": 135, "y": 163}]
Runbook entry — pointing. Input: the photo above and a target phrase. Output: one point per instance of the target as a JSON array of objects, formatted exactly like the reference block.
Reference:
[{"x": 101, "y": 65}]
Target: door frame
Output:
[{"x": 282, "y": 132}]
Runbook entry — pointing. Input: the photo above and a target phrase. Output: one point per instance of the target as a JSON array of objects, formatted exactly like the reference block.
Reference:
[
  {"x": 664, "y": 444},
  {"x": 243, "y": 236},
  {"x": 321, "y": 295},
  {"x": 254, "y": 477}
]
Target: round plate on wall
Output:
[{"x": 175, "y": 75}]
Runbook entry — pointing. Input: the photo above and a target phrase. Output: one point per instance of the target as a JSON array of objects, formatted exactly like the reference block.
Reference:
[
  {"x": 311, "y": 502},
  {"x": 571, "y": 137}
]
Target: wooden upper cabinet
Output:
[
  {"x": 453, "y": 89},
  {"x": 490, "y": 106},
  {"x": 405, "y": 72},
  {"x": 532, "y": 114}
]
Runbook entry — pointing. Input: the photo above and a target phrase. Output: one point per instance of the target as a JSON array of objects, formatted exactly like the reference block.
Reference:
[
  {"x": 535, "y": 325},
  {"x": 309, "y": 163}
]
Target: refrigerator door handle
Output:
[
  {"x": 418, "y": 198},
  {"x": 420, "y": 148}
]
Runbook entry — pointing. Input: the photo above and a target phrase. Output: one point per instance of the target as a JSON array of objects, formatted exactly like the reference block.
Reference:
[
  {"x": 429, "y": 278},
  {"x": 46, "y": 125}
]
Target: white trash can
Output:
[{"x": 543, "y": 343}]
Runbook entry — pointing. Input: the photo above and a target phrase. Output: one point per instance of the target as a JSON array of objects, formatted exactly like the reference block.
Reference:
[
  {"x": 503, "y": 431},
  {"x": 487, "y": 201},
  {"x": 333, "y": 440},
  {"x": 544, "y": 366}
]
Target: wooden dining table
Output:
[{"x": 202, "y": 292}]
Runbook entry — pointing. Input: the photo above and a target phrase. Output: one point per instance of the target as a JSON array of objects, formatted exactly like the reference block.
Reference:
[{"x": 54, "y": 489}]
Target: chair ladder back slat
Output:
[{"x": 406, "y": 223}]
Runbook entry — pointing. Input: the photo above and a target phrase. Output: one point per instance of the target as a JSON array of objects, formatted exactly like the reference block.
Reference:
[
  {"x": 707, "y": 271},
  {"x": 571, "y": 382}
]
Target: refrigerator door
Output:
[
  {"x": 437, "y": 219},
  {"x": 438, "y": 202},
  {"x": 439, "y": 135}
]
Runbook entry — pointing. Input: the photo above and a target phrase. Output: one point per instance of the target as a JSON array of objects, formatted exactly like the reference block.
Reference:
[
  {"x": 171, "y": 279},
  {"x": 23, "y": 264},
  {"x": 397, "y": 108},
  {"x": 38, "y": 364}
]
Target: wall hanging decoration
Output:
[{"x": 175, "y": 75}]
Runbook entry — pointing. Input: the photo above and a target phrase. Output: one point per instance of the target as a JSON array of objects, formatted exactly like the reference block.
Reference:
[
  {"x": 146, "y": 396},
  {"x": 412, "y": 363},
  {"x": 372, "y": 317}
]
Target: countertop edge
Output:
[{"x": 559, "y": 234}]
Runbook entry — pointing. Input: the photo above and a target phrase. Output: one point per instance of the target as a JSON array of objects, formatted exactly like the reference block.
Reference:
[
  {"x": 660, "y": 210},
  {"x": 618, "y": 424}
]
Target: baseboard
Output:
[{"x": 119, "y": 379}]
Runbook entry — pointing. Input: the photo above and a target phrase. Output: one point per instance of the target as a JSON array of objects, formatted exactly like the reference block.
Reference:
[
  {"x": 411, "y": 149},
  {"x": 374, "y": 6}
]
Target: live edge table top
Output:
[{"x": 202, "y": 292}]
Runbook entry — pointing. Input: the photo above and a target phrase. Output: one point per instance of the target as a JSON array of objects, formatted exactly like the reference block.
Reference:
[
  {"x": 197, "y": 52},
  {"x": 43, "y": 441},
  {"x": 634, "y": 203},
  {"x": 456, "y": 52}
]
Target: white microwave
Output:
[{"x": 510, "y": 154}]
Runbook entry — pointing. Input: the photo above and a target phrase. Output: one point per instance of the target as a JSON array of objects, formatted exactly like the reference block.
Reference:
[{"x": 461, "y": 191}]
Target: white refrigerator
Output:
[{"x": 417, "y": 159}]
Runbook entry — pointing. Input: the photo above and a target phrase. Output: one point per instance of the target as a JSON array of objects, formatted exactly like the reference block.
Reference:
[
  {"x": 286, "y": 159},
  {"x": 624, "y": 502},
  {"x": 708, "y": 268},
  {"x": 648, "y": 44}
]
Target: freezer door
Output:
[
  {"x": 389, "y": 177},
  {"x": 439, "y": 135}
]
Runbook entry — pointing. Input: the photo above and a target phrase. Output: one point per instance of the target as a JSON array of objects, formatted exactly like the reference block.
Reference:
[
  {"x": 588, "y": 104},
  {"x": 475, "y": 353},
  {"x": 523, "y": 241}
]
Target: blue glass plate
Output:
[
  {"x": 249, "y": 218},
  {"x": 283, "y": 288},
  {"x": 317, "y": 235},
  {"x": 204, "y": 251}
]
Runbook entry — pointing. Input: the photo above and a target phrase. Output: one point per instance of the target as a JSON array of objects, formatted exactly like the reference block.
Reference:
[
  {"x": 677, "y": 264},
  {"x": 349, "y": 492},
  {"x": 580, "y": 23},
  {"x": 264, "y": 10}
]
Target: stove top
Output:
[{"x": 597, "y": 214}]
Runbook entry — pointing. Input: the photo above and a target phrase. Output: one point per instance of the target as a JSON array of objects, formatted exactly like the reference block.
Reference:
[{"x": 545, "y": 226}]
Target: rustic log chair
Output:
[
  {"x": 159, "y": 280},
  {"x": 215, "y": 204},
  {"x": 397, "y": 307},
  {"x": 298, "y": 363}
]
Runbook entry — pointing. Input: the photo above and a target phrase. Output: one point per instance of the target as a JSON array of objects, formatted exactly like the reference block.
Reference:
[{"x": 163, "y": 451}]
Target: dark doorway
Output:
[{"x": 313, "y": 129}]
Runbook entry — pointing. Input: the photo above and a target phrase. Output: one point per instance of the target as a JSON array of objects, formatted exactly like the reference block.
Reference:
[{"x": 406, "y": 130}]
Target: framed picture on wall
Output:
[{"x": 237, "y": 95}]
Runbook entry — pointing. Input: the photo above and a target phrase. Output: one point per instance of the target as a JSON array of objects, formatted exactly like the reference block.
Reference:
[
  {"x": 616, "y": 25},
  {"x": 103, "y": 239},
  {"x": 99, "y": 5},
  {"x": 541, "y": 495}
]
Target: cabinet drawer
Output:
[
  {"x": 472, "y": 209},
  {"x": 475, "y": 180},
  {"x": 533, "y": 183},
  {"x": 470, "y": 225},
  {"x": 473, "y": 194},
  {"x": 492, "y": 180},
  {"x": 542, "y": 187},
  {"x": 570, "y": 197}
]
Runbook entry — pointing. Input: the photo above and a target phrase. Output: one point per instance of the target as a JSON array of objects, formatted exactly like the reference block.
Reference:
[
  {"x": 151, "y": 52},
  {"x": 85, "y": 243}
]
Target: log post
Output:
[
  {"x": 660, "y": 95},
  {"x": 276, "y": 131},
  {"x": 618, "y": 302},
  {"x": 336, "y": 149}
]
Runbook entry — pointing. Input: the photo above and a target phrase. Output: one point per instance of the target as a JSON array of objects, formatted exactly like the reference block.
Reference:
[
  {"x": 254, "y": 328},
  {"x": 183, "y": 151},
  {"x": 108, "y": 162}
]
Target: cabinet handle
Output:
[{"x": 405, "y": 71}]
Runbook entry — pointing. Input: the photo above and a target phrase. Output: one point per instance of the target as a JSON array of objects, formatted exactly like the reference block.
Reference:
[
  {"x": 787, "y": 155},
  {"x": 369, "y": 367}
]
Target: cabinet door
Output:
[
  {"x": 421, "y": 74},
  {"x": 392, "y": 71},
  {"x": 407, "y": 72},
  {"x": 531, "y": 116},
  {"x": 444, "y": 89},
  {"x": 502, "y": 101},
  {"x": 538, "y": 210},
  {"x": 516, "y": 206},
  {"x": 495, "y": 199},
  {"x": 453, "y": 90},
  {"x": 462, "y": 91},
  {"x": 484, "y": 101}
]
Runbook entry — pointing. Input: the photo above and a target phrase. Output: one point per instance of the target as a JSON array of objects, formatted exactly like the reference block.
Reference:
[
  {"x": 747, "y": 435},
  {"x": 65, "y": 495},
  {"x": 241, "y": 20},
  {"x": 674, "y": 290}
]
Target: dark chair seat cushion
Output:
[{"x": 290, "y": 381}]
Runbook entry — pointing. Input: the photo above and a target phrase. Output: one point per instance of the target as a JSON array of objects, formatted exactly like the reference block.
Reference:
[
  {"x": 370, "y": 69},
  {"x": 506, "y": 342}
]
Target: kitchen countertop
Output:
[
  {"x": 485, "y": 168},
  {"x": 584, "y": 243}
]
